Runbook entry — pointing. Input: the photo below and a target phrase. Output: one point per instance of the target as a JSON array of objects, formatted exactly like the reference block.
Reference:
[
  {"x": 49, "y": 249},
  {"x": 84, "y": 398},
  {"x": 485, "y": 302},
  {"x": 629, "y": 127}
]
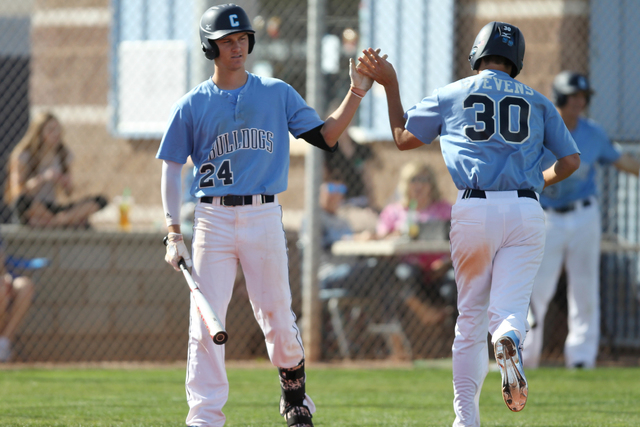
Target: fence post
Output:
[{"x": 311, "y": 308}]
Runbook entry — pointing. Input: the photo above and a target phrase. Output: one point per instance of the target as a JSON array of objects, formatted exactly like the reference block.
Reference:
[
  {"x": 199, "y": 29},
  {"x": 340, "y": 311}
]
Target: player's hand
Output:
[
  {"x": 359, "y": 80},
  {"x": 177, "y": 250},
  {"x": 377, "y": 67}
]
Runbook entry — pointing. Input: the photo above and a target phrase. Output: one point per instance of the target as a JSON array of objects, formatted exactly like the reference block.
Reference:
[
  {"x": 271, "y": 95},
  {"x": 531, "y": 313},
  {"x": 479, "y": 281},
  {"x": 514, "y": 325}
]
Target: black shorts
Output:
[{"x": 24, "y": 202}]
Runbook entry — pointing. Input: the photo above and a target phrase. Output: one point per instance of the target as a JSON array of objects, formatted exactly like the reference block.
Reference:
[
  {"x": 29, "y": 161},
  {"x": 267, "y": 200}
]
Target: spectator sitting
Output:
[
  {"x": 16, "y": 294},
  {"x": 419, "y": 192},
  {"x": 38, "y": 169},
  {"x": 352, "y": 163},
  {"x": 419, "y": 198},
  {"x": 332, "y": 269}
]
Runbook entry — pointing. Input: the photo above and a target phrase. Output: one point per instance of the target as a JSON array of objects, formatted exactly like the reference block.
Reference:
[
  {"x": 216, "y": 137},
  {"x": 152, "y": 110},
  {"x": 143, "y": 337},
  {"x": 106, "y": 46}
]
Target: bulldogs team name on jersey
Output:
[
  {"x": 244, "y": 139},
  {"x": 237, "y": 145}
]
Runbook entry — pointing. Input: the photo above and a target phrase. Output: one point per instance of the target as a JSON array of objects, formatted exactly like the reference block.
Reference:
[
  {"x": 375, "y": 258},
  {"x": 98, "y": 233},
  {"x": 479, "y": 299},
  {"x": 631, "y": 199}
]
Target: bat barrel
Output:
[
  {"x": 208, "y": 315},
  {"x": 220, "y": 337}
]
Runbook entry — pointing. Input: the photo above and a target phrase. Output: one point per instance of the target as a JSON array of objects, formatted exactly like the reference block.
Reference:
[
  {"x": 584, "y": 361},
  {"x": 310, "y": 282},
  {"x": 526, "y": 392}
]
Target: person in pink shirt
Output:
[
  {"x": 419, "y": 197},
  {"x": 419, "y": 202}
]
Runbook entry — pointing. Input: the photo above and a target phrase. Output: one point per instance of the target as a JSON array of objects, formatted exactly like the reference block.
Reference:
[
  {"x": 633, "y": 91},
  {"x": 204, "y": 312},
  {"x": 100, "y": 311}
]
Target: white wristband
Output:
[{"x": 355, "y": 94}]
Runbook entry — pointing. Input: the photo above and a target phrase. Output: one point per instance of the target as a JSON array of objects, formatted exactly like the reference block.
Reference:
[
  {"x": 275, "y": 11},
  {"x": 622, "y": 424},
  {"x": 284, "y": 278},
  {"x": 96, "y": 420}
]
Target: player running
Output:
[
  {"x": 492, "y": 133},
  {"x": 235, "y": 127},
  {"x": 574, "y": 230}
]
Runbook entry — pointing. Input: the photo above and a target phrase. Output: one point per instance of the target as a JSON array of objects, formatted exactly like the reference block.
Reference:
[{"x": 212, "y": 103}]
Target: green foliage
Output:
[{"x": 419, "y": 396}]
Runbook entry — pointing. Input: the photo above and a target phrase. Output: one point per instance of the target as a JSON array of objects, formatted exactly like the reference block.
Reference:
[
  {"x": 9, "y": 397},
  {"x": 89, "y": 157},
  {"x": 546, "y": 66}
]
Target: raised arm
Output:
[
  {"x": 339, "y": 120},
  {"x": 379, "y": 69},
  {"x": 627, "y": 163}
]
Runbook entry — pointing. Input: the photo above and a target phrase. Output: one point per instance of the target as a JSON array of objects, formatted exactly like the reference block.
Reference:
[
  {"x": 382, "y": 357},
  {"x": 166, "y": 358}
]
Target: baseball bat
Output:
[{"x": 209, "y": 317}]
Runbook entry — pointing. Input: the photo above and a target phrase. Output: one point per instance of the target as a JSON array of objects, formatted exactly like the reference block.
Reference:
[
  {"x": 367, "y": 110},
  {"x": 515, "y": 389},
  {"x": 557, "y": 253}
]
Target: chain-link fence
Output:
[{"x": 109, "y": 72}]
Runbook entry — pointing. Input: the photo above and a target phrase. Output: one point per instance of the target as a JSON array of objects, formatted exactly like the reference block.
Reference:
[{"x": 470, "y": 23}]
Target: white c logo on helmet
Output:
[{"x": 234, "y": 20}]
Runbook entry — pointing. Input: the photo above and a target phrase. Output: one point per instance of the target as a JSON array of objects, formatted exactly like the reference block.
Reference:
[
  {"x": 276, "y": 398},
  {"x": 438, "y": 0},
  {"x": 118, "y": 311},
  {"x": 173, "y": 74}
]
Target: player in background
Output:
[
  {"x": 492, "y": 131},
  {"x": 574, "y": 230},
  {"x": 235, "y": 126}
]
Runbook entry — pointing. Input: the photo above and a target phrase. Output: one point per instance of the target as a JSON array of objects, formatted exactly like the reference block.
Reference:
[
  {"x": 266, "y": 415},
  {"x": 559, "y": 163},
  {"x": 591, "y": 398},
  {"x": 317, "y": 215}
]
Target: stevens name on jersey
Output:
[{"x": 494, "y": 83}]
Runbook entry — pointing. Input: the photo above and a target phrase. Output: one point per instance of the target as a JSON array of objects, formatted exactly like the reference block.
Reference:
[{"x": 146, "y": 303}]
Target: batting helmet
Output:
[
  {"x": 568, "y": 83},
  {"x": 220, "y": 21},
  {"x": 500, "y": 39}
]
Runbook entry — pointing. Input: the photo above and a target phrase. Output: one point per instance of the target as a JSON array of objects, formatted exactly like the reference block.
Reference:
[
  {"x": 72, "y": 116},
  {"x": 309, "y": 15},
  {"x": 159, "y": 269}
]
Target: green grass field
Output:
[{"x": 418, "y": 396}]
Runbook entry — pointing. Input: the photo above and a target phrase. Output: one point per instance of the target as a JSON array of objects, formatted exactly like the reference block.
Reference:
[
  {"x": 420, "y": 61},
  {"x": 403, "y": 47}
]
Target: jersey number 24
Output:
[
  {"x": 487, "y": 117},
  {"x": 209, "y": 174}
]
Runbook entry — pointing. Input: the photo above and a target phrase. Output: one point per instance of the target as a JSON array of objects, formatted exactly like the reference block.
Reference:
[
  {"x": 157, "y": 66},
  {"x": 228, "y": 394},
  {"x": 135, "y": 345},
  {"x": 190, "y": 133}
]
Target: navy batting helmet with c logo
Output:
[{"x": 220, "y": 21}]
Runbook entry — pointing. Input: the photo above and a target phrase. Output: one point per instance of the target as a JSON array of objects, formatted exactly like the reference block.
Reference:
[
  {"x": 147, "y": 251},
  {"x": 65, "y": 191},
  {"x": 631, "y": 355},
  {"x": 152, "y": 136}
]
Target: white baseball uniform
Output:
[
  {"x": 492, "y": 133},
  {"x": 573, "y": 232},
  {"x": 239, "y": 143}
]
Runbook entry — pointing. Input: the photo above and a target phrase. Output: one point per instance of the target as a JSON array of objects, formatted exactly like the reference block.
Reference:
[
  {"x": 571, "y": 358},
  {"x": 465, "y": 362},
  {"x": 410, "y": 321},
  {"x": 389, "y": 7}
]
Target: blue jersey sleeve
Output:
[
  {"x": 177, "y": 142},
  {"x": 556, "y": 135},
  {"x": 424, "y": 120},
  {"x": 301, "y": 118},
  {"x": 609, "y": 152}
]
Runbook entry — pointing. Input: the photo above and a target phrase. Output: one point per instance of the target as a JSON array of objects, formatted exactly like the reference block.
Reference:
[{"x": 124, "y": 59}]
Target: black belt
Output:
[
  {"x": 571, "y": 207},
  {"x": 481, "y": 194},
  {"x": 237, "y": 200}
]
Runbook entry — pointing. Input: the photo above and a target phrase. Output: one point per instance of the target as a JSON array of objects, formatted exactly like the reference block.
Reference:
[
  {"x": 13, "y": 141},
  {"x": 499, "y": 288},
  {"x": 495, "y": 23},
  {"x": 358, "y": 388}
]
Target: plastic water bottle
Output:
[
  {"x": 125, "y": 209},
  {"x": 413, "y": 229}
]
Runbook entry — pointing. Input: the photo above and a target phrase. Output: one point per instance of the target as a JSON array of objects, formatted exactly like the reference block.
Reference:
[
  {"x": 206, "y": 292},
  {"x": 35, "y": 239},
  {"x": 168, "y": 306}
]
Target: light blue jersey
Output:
[
  {"x": 239, "y": 144},
  {"x": 493, "y": 130},
  {"x": 595, "y": 147}
]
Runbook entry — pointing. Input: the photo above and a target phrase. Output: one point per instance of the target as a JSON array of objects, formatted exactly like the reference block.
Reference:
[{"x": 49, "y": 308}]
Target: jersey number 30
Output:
[
  {"x": 208, "y": 171},
  {"x": 487, "y": 116}
]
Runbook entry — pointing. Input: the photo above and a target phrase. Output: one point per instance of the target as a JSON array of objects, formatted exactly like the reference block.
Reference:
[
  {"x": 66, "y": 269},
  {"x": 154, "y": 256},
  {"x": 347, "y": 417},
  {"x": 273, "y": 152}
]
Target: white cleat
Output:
[{"x": 514, "y": 383}]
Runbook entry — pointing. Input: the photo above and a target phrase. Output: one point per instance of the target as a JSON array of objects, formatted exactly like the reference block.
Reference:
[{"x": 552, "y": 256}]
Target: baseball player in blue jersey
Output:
[
  {"x": 574, "y": 230},
  {"x": 493, "y": 131},
  {"x": 235, "y": 127}
]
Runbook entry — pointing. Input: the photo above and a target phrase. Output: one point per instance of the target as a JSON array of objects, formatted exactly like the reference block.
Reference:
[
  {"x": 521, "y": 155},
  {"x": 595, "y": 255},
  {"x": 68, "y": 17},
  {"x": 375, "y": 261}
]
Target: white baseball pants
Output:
[
  {"x": 573, "y": 242},
  {"x": 223, "y": 236},
  {"x": 496, "y": 248}
]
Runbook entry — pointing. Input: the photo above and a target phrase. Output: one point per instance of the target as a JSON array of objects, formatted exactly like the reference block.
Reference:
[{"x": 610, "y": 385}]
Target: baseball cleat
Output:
[
  {"x": 295, "y": 416},
  {"x": 298, "y": 416},
  {"x": 514, "y": 383}
]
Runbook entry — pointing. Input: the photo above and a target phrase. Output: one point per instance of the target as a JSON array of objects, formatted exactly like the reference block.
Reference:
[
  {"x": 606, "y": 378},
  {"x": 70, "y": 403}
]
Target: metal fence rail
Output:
[{"x": 620, "y": 289}]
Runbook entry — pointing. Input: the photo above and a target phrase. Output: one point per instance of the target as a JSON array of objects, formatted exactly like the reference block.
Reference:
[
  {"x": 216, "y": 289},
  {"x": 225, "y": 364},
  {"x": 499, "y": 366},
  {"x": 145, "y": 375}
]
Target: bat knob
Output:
[{"x": 220, "y": 338}]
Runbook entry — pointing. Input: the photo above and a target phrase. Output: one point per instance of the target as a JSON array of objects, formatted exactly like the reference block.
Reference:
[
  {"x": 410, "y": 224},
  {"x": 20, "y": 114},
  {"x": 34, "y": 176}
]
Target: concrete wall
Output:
[{"x": 108, "y": 296}]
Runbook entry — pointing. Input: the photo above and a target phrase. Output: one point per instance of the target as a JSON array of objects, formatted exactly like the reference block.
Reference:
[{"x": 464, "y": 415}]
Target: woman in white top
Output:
[{"x": 38, "y": 170}]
